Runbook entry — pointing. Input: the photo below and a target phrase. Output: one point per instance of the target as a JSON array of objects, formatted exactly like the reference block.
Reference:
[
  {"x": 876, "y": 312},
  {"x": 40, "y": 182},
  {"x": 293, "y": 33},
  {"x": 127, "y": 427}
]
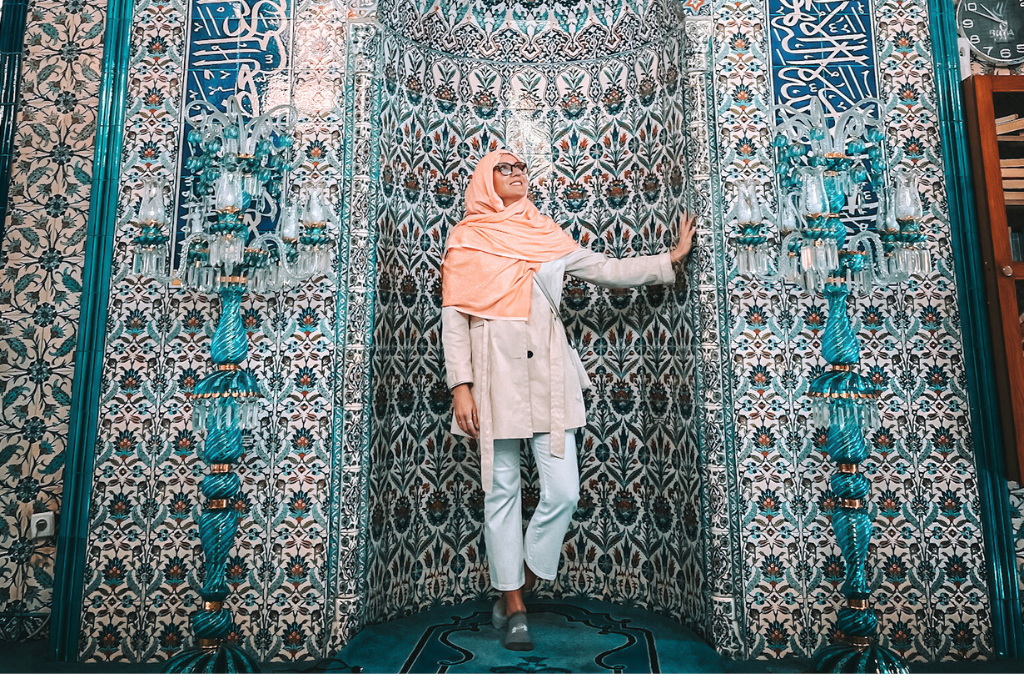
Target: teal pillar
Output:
[
  {"x": 73, "y": 530},
  {"x": 1000, "y": 554},
  {"x": 218, "y": 522}
]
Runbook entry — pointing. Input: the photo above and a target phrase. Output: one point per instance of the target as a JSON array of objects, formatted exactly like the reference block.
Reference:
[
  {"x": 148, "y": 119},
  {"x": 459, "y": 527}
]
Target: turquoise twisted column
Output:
[
  {"x": 856, "y": 649},
  {"x": 218, "y": 523}
]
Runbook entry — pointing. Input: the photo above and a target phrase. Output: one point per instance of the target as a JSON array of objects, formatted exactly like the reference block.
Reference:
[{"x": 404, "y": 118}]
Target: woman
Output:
[{"x": 512, "y": 372}]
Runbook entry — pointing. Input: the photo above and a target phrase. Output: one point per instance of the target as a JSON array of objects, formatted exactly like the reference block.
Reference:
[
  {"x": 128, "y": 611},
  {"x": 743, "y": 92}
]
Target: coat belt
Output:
[
  {"x": 557, "y": 378},
  {"x": 486, "y": 425}
]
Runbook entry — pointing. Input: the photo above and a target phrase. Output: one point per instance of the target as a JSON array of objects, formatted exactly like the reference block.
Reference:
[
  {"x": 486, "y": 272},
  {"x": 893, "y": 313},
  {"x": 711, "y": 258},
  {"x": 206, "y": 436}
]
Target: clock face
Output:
[{"x": 995, "y": 29}]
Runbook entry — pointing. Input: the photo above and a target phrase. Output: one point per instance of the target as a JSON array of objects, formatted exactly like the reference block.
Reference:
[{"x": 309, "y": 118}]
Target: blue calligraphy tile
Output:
[
  {"x": 231, "y": 49},
  {"x": 826, "y": 48}
]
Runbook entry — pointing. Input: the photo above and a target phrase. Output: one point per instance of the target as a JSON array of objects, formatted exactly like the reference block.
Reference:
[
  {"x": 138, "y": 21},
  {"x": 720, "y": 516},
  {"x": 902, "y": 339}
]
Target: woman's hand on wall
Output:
[
  {"x": 465, "y": 410},
  {"x": 687, "y": 228}
]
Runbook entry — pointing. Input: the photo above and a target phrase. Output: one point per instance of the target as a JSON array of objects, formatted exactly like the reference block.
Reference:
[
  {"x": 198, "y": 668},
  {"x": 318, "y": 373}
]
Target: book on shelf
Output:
[{"x": 1009, "y": 126}]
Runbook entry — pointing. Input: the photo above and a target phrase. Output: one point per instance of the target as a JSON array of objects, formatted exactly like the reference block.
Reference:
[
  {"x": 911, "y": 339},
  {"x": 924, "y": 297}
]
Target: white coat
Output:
[{"x": 511, "y": 364}]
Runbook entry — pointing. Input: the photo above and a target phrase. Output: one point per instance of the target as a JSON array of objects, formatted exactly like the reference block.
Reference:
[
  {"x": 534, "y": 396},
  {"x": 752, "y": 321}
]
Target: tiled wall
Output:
[
  {"x": 1017, "y": 504},
  {"x": 927, "y": 555},
  {"x": 765, "y": 538},
  {"x": 292, "y": 571},
  {"x": 40, "y": 291}
]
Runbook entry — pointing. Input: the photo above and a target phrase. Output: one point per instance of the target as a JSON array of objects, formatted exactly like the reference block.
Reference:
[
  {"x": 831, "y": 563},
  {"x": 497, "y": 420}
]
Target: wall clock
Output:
[{"x": 995, "y": 29}]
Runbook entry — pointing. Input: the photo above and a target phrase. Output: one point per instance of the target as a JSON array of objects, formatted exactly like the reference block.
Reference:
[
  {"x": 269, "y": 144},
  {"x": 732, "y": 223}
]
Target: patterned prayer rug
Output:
[{"x": 568, "y": 636}]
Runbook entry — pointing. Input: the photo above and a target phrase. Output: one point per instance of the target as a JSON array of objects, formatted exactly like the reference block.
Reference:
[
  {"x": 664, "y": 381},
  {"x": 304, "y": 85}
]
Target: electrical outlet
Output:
[{"x": 44, "y": 525}]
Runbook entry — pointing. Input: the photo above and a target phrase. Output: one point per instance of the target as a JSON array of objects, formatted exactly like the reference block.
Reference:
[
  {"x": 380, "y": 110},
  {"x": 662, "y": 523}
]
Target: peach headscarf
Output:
[{"x": 492, "y": 254}]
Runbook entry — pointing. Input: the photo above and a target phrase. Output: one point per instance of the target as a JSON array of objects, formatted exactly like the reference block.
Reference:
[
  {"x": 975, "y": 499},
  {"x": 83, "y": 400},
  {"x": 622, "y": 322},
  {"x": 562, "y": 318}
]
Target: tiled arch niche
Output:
[
  {"x": 609, "y": 105},
  {"x": 339, "y": 452}
]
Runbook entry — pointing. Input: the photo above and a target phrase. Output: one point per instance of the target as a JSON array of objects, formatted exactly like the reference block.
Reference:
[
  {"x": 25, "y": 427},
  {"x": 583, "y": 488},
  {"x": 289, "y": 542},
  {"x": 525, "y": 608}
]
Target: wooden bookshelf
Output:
[{"x": 994, "y": 108}]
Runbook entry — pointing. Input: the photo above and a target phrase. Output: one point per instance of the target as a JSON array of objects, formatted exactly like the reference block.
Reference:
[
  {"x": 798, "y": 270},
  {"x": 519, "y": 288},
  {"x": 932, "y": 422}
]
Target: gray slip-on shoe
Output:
[
  {"x": 517, "y": 637},
  {"x": 498, "y": 618}
]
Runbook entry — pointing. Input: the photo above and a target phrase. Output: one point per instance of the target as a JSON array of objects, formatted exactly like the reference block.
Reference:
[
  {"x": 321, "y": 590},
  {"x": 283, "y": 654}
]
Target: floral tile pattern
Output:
[
  {"x": 927, "y": 557},
  {"x": 144, "y": 556},
  {"x": 1017, "y": 502},
  {"x": 616, "y": 183},
  {"x": 41, "y": 290},
  {"x": 704, "y": 488},
  {"x": 531, "y": 31}
]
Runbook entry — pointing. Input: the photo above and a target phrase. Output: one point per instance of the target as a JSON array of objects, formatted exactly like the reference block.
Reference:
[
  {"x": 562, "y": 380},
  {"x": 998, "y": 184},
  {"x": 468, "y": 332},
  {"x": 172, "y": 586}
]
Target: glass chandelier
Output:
[
  {"x": 243, "y": 234},
  {"x": 826, "y": 174},
  {"x": 829, "y": 245},
  {"x": 239, "y": 169}
]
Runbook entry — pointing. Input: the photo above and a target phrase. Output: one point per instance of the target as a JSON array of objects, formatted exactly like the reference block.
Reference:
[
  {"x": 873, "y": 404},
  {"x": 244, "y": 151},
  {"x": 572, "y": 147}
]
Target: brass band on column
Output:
[
  {"x": 857, "y": 641},
  {"x": 212, "y": 605},
  {"x": 851, "y": 503},
  {"x": 220, "y": 468},
  {"x": 219, "y": 503},
  {"x": 853, "y": 603},
  {"x": 847, "y": 467},
  {"x": 209, "y": 643}
]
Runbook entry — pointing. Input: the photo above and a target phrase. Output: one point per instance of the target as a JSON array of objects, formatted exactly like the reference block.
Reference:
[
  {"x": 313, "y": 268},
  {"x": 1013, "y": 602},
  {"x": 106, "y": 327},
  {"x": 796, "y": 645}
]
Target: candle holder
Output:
[
  {"x": 830, "y": 246},
  {"x": 239, "y": 166}
]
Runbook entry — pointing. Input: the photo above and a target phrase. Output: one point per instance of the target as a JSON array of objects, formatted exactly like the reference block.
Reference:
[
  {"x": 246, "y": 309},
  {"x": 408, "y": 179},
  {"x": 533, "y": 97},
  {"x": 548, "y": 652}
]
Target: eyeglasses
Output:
[{"x": 505, "y": 168}]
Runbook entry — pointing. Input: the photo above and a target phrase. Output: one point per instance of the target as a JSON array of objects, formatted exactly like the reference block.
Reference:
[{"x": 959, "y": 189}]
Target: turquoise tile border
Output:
[
  {"x": 85, "y": 394},
  {"x": 1000, "y": 561}
]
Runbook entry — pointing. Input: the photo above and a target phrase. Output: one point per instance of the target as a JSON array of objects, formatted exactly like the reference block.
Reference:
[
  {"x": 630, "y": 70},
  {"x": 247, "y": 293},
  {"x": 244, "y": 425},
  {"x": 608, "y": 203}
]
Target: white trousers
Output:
[{"x": 503, "y": 517}]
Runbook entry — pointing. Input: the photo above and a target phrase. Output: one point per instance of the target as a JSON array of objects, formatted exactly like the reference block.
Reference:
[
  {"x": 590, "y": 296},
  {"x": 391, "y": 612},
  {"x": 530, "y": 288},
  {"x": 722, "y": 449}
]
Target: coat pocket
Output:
[{"x": 574, "y": 358}]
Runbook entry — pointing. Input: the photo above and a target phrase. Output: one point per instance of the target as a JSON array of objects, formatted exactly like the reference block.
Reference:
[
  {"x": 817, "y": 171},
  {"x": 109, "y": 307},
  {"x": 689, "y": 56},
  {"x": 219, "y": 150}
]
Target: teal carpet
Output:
[{"x": 568, "y": 636}]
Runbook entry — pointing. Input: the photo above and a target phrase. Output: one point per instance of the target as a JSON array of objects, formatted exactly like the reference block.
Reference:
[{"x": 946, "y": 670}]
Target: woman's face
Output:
[{"x": 510, "y": 188}]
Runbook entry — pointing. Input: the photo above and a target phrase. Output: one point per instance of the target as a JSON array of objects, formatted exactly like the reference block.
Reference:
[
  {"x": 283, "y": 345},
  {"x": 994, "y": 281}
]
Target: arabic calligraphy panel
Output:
[
  {"x": 233, "y": 47},
  {"x": 822, "y": 50}
]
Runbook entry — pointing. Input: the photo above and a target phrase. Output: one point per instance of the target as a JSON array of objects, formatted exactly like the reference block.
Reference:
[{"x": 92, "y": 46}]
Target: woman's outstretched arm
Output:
[
  {"x": 605, "y": 271},
  {"x": 635, "y": 271}
]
